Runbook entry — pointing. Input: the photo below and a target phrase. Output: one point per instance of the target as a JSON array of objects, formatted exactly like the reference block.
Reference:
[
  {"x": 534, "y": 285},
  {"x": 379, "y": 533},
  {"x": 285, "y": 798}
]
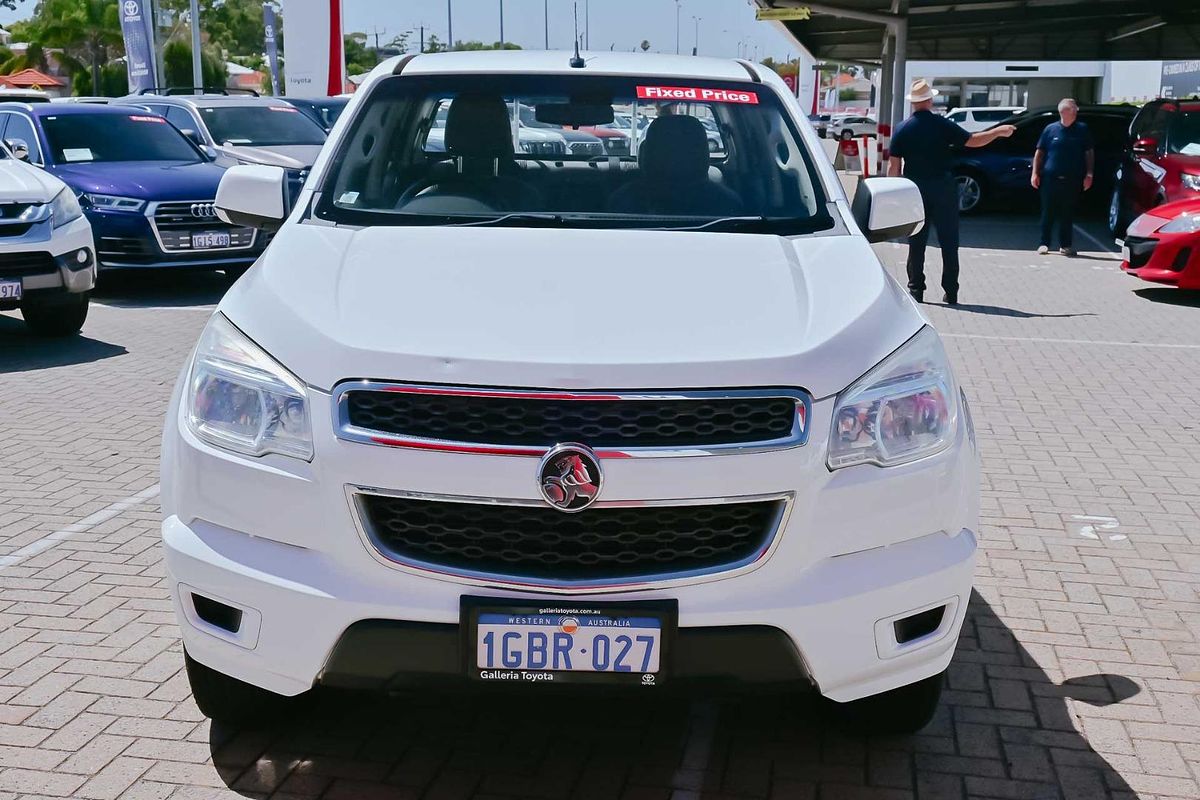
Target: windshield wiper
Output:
[
  {"x": 518, "y": 216},
  {"x": 712, "y": 223}
]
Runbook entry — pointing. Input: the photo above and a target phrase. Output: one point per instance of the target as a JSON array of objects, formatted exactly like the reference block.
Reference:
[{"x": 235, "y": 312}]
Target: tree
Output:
[
  {"x": 359, "y": 57},
  {"x": 473, "y": 45},
  {"x": 235, "y": 26},
  {"x": 83, "y": 30},
  {"x": 645, "y": 45},
  {"x": 177, "y": 65},
  {"x": 434, "y": 45},
  {"x": 34, "y": 57}
]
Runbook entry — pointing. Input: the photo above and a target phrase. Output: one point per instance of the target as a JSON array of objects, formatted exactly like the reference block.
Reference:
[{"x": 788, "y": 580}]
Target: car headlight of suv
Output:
[
  {"x": 1184, "y": 223},
  {"x": 904, "y": 409},
  {"x": 111, "y": 202},
  {"x": 64, "y": 208},
  {"x": 1190, "y": 181},
  {"x": 240, "y": 399}
]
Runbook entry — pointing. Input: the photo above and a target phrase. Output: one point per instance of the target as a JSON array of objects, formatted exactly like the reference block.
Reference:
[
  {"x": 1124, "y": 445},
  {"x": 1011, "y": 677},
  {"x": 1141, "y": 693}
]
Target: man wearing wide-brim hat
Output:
[{"x": 920, "y": 150}]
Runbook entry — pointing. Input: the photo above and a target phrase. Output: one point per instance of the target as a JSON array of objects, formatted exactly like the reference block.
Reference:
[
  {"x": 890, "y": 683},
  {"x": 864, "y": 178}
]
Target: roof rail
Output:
[{"x": 173, "y": 90}]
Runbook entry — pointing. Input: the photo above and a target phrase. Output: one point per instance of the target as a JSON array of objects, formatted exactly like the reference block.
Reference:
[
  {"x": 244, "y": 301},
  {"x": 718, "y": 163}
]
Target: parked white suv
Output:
[
  {"x": 47, "y": 256},
  {"x": 981, "y": 118},
  {"x": 477, "y": 417}
]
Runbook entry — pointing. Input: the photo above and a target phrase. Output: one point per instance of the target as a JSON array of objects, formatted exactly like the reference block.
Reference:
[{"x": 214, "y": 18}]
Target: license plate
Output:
[
  {"x": 10, "y": 290},
  {"x": 568, "y": 643},
  {"x": 210, "y": 239}
]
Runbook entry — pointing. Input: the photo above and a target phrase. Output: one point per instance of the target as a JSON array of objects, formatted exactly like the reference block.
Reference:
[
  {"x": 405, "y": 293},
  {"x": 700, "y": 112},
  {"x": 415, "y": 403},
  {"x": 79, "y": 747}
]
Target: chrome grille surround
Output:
[
  {"x": 782, "y": 502},
  {"x": 346, "y": 429}
]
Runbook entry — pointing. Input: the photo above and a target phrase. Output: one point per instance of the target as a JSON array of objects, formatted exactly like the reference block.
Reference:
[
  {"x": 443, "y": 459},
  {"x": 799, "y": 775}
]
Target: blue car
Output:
[
  {"x": 147, "y": 190},
  {"x": 999, "y": 172}
]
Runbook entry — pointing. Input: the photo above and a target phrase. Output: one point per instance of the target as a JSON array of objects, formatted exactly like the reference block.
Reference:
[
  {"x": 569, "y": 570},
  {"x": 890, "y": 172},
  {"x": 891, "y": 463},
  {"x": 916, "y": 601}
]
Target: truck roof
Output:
[{"x": 557, "y": 62}]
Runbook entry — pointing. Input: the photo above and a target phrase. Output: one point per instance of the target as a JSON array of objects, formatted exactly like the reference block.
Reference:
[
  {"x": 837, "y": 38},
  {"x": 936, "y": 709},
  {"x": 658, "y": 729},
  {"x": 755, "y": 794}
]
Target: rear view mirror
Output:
[
  {"x": 574, "y": 115},
  {"x": 253, "y": 196},
  {"x": 1145, "y": 146},
  {"x": 888, "y": 208}
]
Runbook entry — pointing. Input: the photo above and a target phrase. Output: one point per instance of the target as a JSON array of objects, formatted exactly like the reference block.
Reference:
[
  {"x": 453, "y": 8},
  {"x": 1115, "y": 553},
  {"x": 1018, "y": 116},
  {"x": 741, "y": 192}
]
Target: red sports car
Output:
[{"x": 1163, "y": 245}]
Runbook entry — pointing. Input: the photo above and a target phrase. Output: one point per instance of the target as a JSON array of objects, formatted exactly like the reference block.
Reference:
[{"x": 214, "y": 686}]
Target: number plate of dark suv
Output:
[{"x": 567, "y": 642}]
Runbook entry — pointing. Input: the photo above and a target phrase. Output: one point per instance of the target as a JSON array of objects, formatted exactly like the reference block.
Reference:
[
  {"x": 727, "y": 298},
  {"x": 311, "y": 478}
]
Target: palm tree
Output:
[
  {"x": 83, "y": 29},
  {"x": 34, "y": 57}
]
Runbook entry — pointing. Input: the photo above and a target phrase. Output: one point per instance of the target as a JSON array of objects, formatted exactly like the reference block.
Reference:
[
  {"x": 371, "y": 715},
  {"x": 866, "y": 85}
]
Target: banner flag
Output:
[{"x": 139, "y": 46}]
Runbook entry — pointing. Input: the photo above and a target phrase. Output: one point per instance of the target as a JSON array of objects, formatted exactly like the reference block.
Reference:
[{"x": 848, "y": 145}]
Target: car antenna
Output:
[{"x": 577, "y": 61}]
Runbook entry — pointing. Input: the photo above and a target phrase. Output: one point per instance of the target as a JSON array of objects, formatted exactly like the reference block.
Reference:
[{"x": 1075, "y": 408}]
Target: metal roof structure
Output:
[{"x": 1042, "y": 30}]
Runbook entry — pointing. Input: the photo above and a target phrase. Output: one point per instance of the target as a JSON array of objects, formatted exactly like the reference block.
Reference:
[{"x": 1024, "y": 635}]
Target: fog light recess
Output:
[
  {"x": 912, "y": 628},
  {"x": 216, "y": 613}
]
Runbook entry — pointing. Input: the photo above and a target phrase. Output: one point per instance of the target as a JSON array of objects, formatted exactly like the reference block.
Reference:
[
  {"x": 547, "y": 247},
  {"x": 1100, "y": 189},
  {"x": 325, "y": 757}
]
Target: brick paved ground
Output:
[{"x": 1077, "y": 676}]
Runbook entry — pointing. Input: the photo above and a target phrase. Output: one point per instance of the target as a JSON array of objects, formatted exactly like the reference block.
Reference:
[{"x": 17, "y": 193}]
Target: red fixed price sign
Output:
[{"x": 697, "y": 94}]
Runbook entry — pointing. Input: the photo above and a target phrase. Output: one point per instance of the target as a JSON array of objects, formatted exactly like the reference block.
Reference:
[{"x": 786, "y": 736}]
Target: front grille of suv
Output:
[
  {"x": 500, "y": 419},
  {"x": 543, "y": 545},
  {"x": 176, "y": 222},
  {"x": 22, "y": 265}
]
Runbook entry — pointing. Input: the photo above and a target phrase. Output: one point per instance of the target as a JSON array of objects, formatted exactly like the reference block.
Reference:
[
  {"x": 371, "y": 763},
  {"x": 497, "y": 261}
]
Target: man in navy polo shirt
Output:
[
  {"x": 1062, "y": 168},
  {"x": 923, "y": 142}
]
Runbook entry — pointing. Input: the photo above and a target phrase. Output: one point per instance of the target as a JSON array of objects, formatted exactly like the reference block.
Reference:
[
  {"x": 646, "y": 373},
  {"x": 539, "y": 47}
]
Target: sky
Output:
[{"x": 620, "y": 24}]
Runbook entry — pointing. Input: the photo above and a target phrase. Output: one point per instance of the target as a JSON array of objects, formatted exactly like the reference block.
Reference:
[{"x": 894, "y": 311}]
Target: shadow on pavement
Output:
[
  {"x": 1002, "y": 311},
  {"x": 160, "y": 288},
  {"x": 1170, "y": 296},
  {"x": 20, "y": 351},
  {"x": 1004, "y": 730}
]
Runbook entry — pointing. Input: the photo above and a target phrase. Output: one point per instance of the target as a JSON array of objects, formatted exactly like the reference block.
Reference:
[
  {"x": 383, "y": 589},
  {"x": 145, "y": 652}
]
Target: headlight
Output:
[
  {"x": 241, "y": 399},
  {"x": 1190, "y": 181},
  {"x": 64, "y": 208},
  {"x": 1184, "y": 223},
  {"x": 109, "y": 202},
  {"x": 904, "y": 409}
]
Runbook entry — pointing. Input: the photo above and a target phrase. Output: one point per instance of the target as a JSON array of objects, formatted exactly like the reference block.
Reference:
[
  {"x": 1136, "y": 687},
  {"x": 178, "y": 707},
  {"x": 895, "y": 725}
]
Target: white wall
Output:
[{"x": 1131, "y": 81}]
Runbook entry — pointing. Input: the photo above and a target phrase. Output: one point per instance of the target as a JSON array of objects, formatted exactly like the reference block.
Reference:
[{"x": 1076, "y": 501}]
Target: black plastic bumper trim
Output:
[{"x": 390, "y": 654}]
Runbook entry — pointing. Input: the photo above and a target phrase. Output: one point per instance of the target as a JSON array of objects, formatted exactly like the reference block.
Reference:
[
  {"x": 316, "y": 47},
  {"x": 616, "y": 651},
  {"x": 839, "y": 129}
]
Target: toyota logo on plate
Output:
[
  {"x": 204, "y": 210},
  {"x": 569, "y": 477},
  {"x": 131, "y": 8}
]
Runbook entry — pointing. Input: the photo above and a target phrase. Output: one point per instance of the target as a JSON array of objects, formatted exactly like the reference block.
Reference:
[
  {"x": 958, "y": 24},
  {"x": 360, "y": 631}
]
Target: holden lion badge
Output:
[{"x": 569, "y": 477}]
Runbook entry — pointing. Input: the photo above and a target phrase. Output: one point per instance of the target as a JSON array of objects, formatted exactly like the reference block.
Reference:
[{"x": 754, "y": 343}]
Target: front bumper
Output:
[
  {"x": 127, "y": 241},
  {"x": 274, "y": 538},
  {"x": 61, "y": 272},
  {"x": 1172, "y": 259}
]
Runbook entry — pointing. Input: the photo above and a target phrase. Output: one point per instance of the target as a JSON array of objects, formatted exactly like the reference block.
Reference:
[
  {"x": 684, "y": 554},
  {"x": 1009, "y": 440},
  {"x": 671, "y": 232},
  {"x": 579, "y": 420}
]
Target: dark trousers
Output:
[
  {"x": 940, "y": 200},
  {"x": 1060, "y": 197}
]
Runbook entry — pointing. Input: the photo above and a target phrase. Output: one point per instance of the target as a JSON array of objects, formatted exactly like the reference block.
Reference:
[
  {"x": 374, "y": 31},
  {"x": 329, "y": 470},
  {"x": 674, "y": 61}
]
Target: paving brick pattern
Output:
[{"x": 1077, "y": 675}]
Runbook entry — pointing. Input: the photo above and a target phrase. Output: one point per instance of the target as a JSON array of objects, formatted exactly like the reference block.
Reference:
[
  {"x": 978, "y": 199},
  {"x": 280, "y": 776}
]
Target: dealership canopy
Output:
[{"x": 852, "y": 30}]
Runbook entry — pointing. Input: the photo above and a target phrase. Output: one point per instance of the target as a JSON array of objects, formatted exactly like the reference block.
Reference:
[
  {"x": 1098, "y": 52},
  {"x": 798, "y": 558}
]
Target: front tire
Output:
[
  {"x": 229, "y": 700},
  {"x": 57, "y": 318},
  {"x": 901, "y": 711},
  {"x": 1118, "y": 217},
  {"x": 970, "y": 193}
]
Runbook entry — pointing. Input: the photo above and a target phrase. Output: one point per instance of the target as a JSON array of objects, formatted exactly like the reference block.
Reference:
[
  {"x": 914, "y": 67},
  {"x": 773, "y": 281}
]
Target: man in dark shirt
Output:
[
  {"x": 1062, "y": 168},
  {"x": 923, "y": 143}
]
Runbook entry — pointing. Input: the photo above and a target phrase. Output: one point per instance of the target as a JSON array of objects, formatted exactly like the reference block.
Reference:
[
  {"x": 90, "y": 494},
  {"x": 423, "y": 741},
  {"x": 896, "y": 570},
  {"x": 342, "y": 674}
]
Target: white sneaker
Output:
[{"x": 1042, "y": 250}]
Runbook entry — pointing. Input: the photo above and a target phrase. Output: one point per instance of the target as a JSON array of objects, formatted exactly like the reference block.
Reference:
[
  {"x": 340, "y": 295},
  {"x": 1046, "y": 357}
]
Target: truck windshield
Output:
[
  {"x": 519, "y": 150},
  {"x": 260, "y": 126},
  {"x": 115, "y": 137}
]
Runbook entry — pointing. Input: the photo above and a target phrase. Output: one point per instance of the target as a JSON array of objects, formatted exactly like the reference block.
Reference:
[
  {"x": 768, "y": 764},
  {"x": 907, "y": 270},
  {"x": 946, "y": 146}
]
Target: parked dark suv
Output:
[
  {"x": 999, "y": 172},
  {"x": 1161, "y": 163}
]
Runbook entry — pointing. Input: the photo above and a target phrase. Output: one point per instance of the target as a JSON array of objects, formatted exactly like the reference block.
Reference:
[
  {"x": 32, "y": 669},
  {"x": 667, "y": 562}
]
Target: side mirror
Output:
[
  {"x": 253, "y": 196},
  {"x": 1145, "y": 146},
  {"x": 888, "y": 208},
  {"x": 194, "y": 135},
  {"x": 19, "y": 148}
]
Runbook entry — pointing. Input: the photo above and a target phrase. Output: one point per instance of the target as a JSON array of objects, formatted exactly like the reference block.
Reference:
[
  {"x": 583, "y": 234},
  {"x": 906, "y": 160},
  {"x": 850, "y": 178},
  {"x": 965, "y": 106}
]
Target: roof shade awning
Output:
[{"x": 1030, "y": 30}]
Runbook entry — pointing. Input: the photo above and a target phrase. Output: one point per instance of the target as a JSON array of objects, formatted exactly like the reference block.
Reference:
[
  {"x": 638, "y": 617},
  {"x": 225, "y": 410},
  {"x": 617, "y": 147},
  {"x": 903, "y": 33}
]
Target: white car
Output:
[
  {"x": 478, "y": 418},
  {"x": 981, "y": 118},
  {"x": 849, "y": 127},
  {"x": 47, "y": 255}
]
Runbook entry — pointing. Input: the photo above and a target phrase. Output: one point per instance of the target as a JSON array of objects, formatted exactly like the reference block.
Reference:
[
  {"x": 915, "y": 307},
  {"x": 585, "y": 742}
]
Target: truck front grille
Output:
[
  {"x": 500, "y": 418},
  {"x": 539, "y": 544}
]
